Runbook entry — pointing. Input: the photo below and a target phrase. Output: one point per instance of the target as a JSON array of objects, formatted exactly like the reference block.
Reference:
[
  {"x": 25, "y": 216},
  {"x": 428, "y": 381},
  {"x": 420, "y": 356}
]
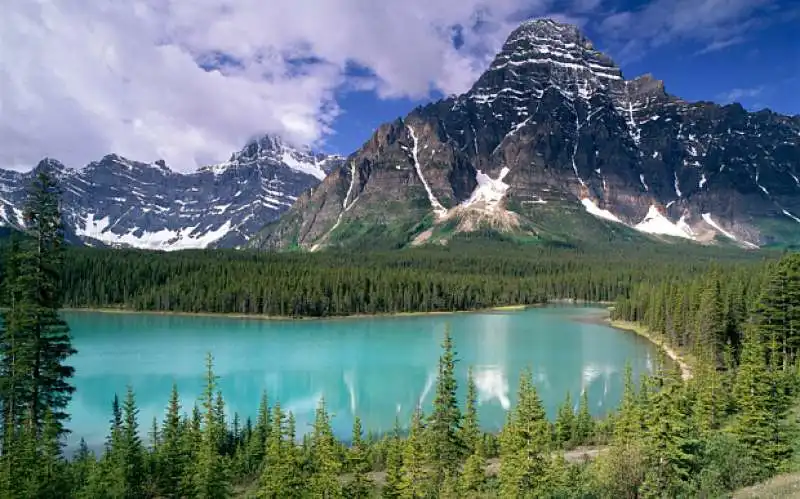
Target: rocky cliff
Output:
[{"x": 553, "y": 143}]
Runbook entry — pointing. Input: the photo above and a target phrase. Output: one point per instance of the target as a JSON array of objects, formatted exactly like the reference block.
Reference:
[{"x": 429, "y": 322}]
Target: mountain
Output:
[
  {"x": 552, "y": 143},
  {"x": 122, "y": 203}
]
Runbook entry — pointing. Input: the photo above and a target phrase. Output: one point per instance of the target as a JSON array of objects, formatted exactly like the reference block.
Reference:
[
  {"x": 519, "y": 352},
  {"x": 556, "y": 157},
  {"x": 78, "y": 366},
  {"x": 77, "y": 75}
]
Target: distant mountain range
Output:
[
  {"x": 553, "y": 143},
  {"x": 117, "y": 202}
]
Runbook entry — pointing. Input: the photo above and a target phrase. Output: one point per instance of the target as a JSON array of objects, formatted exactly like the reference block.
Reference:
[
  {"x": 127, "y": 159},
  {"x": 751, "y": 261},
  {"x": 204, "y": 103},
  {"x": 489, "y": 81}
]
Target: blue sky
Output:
[{"x": 191, "y": 81}]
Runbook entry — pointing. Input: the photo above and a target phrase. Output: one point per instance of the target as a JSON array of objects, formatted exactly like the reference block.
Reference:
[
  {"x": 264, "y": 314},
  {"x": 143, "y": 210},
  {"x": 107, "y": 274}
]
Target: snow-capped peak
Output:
[{"x": 272, "y": 148}]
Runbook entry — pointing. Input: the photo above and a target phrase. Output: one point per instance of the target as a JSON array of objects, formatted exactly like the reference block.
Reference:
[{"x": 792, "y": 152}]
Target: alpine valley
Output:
[
  {"x": 121, "y": 203},
  {"x": 552, "y": 143}
]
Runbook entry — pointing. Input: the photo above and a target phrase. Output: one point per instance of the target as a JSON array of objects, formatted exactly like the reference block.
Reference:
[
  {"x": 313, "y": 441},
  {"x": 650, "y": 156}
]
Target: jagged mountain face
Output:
[
  {"x": 121, "y": 203},
  {"x": 553, "y": 143}
]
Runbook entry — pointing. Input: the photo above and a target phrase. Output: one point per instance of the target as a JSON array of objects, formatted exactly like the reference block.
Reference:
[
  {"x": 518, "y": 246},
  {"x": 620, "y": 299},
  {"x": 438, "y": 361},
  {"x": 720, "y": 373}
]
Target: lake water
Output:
[{"x": 373, "y": 367}]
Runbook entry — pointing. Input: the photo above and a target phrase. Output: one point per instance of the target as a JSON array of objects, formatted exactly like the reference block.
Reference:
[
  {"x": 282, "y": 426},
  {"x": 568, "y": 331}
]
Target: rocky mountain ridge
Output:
[
  {"x": 122, "y": 203},
  {"x": 552, "y": 142}
]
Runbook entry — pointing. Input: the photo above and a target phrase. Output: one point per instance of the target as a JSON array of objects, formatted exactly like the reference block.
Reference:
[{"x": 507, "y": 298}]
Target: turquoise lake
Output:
[{"x": 373, "y": 367}]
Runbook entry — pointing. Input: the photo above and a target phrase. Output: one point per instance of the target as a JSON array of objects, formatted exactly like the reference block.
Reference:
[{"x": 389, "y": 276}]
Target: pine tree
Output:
[
  {"x": 51, "y": 467},
  {"x": 280, "y": 472},
  {"x": 525, "y": 444},
  {"x": 211, "y": 479},
  {"x": 710, "y": 325},
  {"x": 83, "y": 465},
  {"x": 777, "y": 313},
  {"x": 470, "y": 432},
  {"x": 360, "y": 485},
  {"x": 565, "y": 423},
  {"x": 414, "y": 483},
  {"x": 444, "y": 423},
  {"x": 256, "y": 446},
  {"x": 34, "y": 340},
  {"x": 171, "y": 453},
  {"x": 670, "y": 443},
  {"x": 627, "y": 423},
  {"x": 584, "y": 424},
  {"x": 473, "y": 477},
  {"x": 760, "y": 422},
  {"x": 324, "y": 481},
  {"x": 394, "y": 464},
  {"x": 131, "y": 452}
]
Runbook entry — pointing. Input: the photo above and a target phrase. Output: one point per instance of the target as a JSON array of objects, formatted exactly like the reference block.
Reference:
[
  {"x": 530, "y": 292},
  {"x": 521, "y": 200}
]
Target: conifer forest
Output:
[{"x": 726, "y": 420}]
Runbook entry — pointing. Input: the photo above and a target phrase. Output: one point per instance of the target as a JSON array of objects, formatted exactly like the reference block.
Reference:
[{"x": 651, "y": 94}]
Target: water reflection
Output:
[{"x": 374, "y": 368}]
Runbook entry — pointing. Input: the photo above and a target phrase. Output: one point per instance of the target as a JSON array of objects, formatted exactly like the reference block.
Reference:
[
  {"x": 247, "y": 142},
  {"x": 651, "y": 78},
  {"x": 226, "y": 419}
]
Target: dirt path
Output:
[
  {"x": 782, "y": 486},
  {"x": 577, "y": 455}
]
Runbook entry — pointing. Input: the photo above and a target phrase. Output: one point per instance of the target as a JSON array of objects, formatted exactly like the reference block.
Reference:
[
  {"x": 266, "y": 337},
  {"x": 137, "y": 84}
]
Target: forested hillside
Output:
[{"x": 472, "y": 273}]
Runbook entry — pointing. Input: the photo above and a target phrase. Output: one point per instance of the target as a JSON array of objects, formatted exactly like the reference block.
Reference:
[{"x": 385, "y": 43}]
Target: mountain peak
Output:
[
  {"x": 542, "y": 54},
  {"x": 545, "y": 28}
]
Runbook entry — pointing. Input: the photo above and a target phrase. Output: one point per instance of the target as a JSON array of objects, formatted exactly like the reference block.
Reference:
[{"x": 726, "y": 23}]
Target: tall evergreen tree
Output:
[
  {"x": 394, "y": 464},
  {"x": 324, "y": 481},
  {"x": 34, "y": 340},
  {"x": 360, "y": 485},
  {"x": 525, "y": 445},
  {"x": 470, "y": 432},
  {"x": 444, "y": 423},
  {"x": 211, "y": 479},
  {"x": 171, "y": 453},
  {"x": 415, "y": 482},
  {"x": 565, "y": 422}
]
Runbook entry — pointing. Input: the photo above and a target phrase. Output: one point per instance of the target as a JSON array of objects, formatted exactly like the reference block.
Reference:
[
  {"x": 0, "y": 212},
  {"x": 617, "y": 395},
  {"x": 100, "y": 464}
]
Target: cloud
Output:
[
  {"x": 738, "y": 94},
  {"x": 715, "y": 24},
  {"x": 191, "y": 81}
]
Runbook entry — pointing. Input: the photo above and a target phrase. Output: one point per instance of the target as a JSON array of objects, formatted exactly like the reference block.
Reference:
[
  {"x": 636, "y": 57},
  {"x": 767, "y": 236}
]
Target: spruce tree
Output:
[
  {"x": 324, "y": 481},
  {"x": 131, "y": 452},
  {"x": 360, "y": 485},
  {"x": 444, "y": 423},
  {"x": 171, "y": 454},
  {"x": 470, "y": 432},
  {"x": 34, "y": 340},
  {"x": 211, "y": 479},
  {"x": 565, "y": 423},
  {"x": 394, "y": 464},
  {"x": 525, "y": 444},
  {"x": 473, "y": 478},
  {"x": 760, "y": 422},
  {"x": 584, "y": 424},
  {"x": 415, "y": 479}
]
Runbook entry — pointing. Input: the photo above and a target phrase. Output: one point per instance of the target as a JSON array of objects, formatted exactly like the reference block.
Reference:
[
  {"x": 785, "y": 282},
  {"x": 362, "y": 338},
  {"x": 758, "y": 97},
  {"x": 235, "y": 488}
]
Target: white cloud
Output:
[
  {"x": 81, "y": 79},
  {"x": 739, "y": 94}
]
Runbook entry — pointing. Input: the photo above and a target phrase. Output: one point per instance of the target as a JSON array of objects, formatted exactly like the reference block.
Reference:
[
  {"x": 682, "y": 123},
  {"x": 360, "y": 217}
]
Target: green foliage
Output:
[
  {"x": 444, "y": 424},
  {"x": 360, "y": 485}
]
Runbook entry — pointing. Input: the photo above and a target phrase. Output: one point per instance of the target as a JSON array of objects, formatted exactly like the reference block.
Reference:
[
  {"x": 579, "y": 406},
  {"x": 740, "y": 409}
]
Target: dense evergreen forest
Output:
[
  {"x": 467, "y": 275},
  {"x": 732, "y": 423}
]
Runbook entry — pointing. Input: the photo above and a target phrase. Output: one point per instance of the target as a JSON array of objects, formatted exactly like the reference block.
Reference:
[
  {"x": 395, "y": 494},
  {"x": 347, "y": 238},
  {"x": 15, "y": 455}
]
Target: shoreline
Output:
[
  {"x": 632, "y": 327},
  {"x": 264, "y": 317}
]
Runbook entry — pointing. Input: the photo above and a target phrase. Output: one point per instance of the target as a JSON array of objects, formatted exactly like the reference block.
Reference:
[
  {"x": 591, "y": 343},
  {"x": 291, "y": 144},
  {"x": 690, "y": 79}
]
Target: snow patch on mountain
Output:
[
  {"x": 710, "y": 221},
  {"x": 440, "y": 210},
  {"x": 489, "y": 192},
  {"x": 595, "y": 210},
  {"x": 165, "y": 239},
  {"x": 656, "y": 223}
]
